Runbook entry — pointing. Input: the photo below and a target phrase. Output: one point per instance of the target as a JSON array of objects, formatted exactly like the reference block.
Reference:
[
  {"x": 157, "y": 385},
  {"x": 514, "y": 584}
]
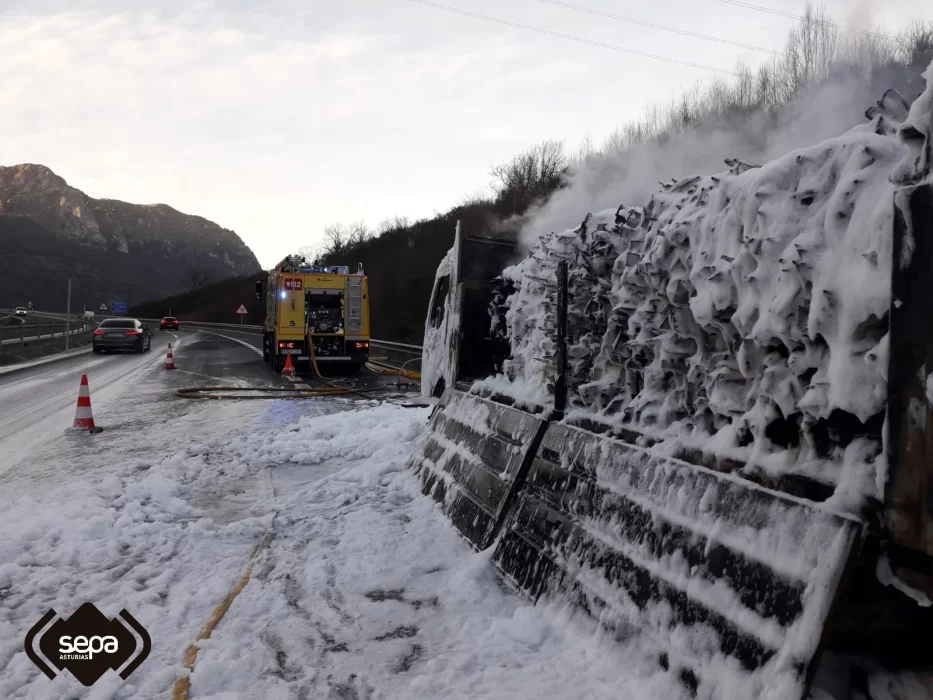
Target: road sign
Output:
[
  {"x": 103, "y": 307},
  {"x": 242, "y": 310},
  {"x": 118, "y": 307}
]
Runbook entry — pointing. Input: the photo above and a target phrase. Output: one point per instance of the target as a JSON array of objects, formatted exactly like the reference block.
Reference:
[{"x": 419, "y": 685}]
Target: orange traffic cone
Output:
[
  {"x": 289, "y": 369},
  {"x": 84, "y": 419},
  {"x": 169, "y": 360}
]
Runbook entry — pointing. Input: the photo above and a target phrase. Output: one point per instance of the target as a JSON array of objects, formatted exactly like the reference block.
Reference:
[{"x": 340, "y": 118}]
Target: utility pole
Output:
[{"x": 68, "y": 317}]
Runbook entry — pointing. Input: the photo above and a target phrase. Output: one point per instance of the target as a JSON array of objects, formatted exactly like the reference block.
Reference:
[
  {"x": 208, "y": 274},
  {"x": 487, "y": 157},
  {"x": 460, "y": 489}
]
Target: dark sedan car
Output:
[
  {"x": 121, "y": 334},
  {"x": 169, "y": 322}
]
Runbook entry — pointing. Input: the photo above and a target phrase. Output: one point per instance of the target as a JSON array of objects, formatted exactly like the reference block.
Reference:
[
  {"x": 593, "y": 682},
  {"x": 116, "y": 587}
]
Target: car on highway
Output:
[
  {"x": 20, "y": 311},
  {"x": 121, "y": 334},
  {"x": 169, "y": 322}
]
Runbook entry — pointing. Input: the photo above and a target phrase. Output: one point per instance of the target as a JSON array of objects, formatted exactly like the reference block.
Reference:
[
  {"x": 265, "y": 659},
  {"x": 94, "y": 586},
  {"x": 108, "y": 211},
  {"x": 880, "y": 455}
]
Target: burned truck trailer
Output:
[{"x": 706, "y": 422}]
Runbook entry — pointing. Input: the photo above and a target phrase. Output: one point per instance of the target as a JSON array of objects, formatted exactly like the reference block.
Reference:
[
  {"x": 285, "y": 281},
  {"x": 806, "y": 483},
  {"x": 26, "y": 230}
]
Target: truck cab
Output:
[{"x": 316, "y": 314}]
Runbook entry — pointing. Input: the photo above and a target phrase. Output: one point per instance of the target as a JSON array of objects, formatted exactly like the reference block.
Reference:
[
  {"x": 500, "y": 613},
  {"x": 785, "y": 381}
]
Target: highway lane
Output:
[
  {"x": 36, "y": 405},
  {"x": 247, "y": 338},
  {"x": 160, "y": 512},
  {"x": 157, "y": 513},
  {"x": 365, "y": 381},
  {"x": 129, "y": 393},
  {"x": 34, "y": 318},
  {"x": 11, "y": 322}
]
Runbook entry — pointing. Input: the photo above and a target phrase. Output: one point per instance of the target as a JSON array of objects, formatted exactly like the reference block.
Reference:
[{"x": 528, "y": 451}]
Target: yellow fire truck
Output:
[{"x": 315, "y": 312}]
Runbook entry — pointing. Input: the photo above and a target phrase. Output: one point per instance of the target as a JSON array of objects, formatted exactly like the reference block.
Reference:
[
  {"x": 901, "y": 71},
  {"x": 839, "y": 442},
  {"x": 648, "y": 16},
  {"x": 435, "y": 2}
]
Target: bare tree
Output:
[
  {"x": 743, "y": 91},
  {"x": 358, "y": 233},
  {"x": 311, "y": 253},
  {"x": 198, "y": 276},
  {"x": 479, "y": 197},
  {"x": 812, "y": 54},
  {"x": 530, "y": 175},
  {"x": 395, "y": 223},
  {"x": 586, "y": 149},
  {"x": 616, "y": 142},
  {"x": 335, "y": 239},
  {"x": 917, "y": 46}
]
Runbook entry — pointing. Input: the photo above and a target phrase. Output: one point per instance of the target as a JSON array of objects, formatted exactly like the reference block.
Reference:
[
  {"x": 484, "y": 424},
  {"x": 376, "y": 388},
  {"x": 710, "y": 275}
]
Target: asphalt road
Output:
[{"x": 128, "y": 392}]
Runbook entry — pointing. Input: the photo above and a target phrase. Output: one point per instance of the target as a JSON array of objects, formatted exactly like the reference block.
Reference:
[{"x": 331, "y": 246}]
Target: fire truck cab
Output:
[{"x": 315, "y": 313}]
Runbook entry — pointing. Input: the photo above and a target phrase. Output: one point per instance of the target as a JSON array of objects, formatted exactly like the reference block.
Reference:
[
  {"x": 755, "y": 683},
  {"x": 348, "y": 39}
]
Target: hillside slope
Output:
[
  {"x": 216, "y": 303},
  {"x": 112, "y": 250},
  {"x": 400, "y": 265}
]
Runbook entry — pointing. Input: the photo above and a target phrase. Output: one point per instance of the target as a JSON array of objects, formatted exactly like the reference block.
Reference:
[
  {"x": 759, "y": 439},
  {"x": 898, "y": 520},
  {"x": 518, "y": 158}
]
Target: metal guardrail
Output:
[
  {"x": 246, "y": 328},
  {"x": 403, "y": 348},
  {"x": 20, "y": 338},
  {"x": 88, "y": 323}
]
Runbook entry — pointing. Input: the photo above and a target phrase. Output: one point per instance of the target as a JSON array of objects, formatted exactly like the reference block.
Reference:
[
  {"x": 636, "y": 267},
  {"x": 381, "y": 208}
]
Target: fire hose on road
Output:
[
  {"x": 331, "y": 387},
  {"x": 183, "y": 685},
  {"x": 273, "y": 392},
  {"x": 382, "y": 368}
]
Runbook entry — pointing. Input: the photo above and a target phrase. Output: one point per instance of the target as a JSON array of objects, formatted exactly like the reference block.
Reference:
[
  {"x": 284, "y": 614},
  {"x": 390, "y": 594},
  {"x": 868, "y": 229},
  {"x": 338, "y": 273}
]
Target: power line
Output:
[
  {"x": 825, "y": 23},
  {"x": 573, "y": 38},
  {"x": 643, "y": 23}
]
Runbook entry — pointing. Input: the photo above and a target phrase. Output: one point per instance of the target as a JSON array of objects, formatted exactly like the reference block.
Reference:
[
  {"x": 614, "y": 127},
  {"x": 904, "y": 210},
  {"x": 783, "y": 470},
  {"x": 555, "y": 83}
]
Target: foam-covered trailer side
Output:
[
  {"x": 475, "y": 449},
  {"x": 473, "y": 455},
  {"x": 742, "y": 478},
  {"x": 727, "y": 583}
]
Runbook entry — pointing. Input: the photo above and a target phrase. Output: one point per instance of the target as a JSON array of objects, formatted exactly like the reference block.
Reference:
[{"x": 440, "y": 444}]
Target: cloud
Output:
[
  {"x": 277, "y": 118},
  {"x": 255, "y": 129}
]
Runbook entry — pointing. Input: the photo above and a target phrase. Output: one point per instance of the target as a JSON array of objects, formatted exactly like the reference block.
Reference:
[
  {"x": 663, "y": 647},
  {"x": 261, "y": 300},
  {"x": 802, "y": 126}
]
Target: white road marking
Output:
[{"x": 258, "y": 351}]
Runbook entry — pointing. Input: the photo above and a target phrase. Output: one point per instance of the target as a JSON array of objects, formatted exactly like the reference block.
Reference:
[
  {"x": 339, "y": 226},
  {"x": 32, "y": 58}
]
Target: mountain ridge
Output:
[{"x": 113, "y": 250}]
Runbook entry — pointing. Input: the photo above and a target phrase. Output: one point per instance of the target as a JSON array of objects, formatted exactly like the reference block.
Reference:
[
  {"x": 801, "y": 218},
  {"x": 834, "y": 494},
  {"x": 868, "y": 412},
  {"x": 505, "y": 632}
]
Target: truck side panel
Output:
[
  {"x": 357, "y": 308},
  {"x": 291, "y": 307},
  {"x": 366, "y": 329}
]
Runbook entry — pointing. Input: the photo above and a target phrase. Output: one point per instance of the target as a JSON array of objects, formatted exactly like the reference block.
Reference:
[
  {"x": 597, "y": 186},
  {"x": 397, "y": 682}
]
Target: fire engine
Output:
[{"x": 316, "y": 314}]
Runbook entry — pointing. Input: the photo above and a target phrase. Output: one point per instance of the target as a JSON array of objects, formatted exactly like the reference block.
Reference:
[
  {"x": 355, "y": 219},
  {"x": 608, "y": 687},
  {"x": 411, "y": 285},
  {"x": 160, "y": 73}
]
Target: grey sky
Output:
[{"x": 276, "y": 122}]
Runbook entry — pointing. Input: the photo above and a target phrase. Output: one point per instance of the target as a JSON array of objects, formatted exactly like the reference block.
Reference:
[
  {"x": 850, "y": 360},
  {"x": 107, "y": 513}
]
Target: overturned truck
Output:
[{"x": 706, "y": 422}]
